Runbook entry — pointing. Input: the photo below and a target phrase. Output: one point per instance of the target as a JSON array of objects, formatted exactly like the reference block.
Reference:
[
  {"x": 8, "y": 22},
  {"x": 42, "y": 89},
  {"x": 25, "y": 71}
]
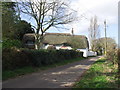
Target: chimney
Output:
[{"x": 72, "y": 31}]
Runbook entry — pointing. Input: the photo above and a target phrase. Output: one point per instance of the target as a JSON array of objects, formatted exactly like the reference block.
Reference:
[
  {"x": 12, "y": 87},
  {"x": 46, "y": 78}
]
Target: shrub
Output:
[
  {"x": 112, "y": 55},
  {"x": 119, "y": 68},
  {"x": 119, "y": 56},
  {"x": 45, "y": 57},
  {"x": 16, "y": 58},
  {"x": 7, "y": 43}
]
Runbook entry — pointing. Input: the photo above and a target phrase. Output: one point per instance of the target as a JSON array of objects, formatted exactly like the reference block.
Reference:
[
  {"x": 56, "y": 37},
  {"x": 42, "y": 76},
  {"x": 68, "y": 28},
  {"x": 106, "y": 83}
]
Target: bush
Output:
[
  {"x": 119, "y": 55},
  {"x": 112, "y": 55},
  {"x": 119, "y": 67},
  {"x": 16, "y": 58},
  {"x": 13, "y": 58},
  {"x": 7, "y": 43}
]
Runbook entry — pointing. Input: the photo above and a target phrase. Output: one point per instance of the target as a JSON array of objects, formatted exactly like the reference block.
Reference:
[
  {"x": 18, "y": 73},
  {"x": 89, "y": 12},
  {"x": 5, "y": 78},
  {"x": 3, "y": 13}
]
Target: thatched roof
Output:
[
  {"x": 76, "y": 41},
  {"x": 29, "y": 36},
  {"x": 56, "y": 38},
  {"x": 59, "y": 34}
]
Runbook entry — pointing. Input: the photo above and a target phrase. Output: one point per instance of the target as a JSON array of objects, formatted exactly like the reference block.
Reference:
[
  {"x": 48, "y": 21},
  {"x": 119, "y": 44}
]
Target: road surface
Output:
[{"x": 59, "y": 77}]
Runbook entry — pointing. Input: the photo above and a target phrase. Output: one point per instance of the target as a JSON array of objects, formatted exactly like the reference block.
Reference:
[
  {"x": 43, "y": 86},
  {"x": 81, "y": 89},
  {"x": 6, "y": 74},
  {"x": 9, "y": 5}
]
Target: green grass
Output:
[
  {"x": 17, "y": 72},
  {"x": 102, "y": 74},
  {"x": 27, "y": 70}
]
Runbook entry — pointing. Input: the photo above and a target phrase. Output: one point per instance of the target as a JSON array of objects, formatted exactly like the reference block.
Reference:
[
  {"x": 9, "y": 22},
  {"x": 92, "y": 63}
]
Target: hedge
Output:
[
  {"x": 16, "y": 58},
  {"x": 7, "y": 43},
  {"x": 112, "y": 55}
]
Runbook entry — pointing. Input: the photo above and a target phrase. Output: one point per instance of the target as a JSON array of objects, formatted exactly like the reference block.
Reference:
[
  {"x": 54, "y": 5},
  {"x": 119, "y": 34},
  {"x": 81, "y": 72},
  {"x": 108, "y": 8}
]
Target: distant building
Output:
[
  {"x": 29, "y": 41},
  {"x": 59, "y": 40}
]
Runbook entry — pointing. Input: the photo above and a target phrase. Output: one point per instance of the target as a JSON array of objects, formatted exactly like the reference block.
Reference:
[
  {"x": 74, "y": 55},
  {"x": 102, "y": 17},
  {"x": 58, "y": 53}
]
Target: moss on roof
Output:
[
  {"x": 56, "y": 38},
  {"x": 76, "y": 41}
]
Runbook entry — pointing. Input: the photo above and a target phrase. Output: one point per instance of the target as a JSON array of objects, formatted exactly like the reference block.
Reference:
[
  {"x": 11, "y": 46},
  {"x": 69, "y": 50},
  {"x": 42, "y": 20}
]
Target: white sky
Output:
[{"x": 103, "y": 9}]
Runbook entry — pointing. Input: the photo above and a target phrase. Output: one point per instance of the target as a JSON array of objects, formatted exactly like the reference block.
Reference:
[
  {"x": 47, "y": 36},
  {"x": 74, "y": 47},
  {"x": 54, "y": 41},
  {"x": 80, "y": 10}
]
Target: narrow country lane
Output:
[{"x": 59, "y": 77}]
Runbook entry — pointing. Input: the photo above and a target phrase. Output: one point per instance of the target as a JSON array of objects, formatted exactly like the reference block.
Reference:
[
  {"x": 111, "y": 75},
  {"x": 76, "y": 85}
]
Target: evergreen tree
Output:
[
  {"x": 23, "y": 27},
  {"x": 9, "y": 19}
]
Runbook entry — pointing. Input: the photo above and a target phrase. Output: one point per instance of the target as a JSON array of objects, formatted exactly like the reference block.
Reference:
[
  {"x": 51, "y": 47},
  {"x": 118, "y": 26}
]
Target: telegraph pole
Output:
[
  {"x": 72, "y": 32},
  {"x": 105, "y": 38}
]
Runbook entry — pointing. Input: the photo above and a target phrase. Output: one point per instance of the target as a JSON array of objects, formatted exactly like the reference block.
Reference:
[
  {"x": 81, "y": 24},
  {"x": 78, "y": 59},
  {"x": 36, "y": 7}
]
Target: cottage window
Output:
[{"x": 30, "y": 42}]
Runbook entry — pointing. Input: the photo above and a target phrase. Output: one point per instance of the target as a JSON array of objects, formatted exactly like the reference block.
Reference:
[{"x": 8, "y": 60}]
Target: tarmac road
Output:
[{"x": 60, "y": 77}]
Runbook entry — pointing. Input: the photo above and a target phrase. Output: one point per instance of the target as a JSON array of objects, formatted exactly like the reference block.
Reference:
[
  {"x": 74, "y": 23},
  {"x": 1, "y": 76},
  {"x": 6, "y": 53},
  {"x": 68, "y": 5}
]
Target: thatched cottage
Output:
[
  {"x": 29, "y": 41},
  {"x": 58, "y": 40}
]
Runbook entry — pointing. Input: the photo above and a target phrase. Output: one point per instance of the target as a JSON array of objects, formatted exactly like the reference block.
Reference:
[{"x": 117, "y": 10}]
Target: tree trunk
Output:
[{"x": 39, "y": 41}]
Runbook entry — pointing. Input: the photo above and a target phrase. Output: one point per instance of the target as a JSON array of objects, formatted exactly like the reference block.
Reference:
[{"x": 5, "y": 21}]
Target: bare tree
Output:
[
  {"x": 93, "y": 32},
  {"x": 46, "y": 14}
]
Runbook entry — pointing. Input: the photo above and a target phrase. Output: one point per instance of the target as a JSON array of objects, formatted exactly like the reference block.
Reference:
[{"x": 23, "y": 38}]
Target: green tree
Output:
[
  {"x": 9, "y": 19},
  {"x": 23, "y": 27},
  {"x": 99, "y": 45}
]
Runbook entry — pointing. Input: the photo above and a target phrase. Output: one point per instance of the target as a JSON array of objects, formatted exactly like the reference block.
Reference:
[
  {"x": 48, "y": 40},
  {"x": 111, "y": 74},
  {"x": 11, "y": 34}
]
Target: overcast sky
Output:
[{"x": 103, "y": 9}]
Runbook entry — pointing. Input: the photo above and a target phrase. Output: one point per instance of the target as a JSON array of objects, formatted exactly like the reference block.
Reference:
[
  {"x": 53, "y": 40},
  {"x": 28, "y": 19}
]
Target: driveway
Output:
[{"x": 59, "y": 77}]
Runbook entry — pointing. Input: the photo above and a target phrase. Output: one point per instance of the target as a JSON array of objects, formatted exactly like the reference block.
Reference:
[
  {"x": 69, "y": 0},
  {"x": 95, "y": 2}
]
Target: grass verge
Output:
[
  {"x": 102, "y": 74},
  {"x": 27, "y": 70}
]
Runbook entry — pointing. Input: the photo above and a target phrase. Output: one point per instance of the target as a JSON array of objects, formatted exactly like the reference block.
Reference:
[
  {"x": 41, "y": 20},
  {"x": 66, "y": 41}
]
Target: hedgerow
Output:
[{"x": 13, "y": 58}]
